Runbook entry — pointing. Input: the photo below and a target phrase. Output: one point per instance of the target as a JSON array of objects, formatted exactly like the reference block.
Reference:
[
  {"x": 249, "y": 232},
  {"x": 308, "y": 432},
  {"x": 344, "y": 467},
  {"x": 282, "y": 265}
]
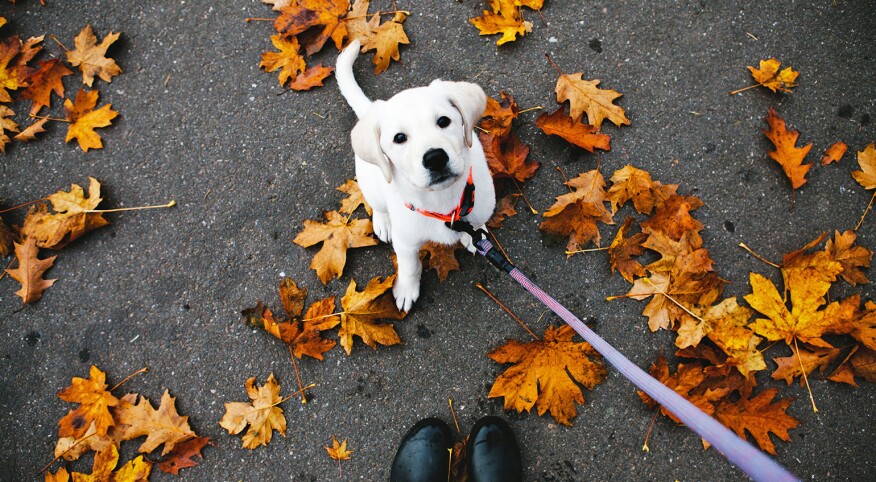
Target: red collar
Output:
[{"x": 466, "y": 204}]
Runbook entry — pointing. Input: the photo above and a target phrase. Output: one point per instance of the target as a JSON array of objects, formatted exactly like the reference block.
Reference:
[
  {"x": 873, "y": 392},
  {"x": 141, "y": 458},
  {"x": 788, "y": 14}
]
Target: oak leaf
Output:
[
  {"x": 136, "y": 470},
  {"x": 91, "y": 58},
  {"x": 288, "y": 61},
  {"x": 362, "y": 310},
  {"x": 631, "y": 183},
  {"x": 507, "y": 157},
  {"x": 338, "y": 451},
  {"x": 505, "y": 19},
  {"x": 6, "y": 124},
  {"x": 804, "y": 361},
  {"x": 864, "y": 362},
  {"x": 183, "y": 455},
  {"x": 84, "y": 118},
  {"x": 769, "y": 75},
  {"x": 163, "y": 425},
  {"x": 861, "y": 325},
  {"x": 787, "y": 154},
  {"x": 686, "y": 378},
  {"x": 32, "y": 130},
  {"x": 30, "y": 271},
  {"x": 586, "y": 98},
  {"x": 581, "y": 135},
  {"x": 852, "y": 258},
  {"x": 47, "y": 78},
  {"x": 758, "y": 416},
  {"x": 385, "y": 40},
  {"x": 575, "y": 214},
  {"x": 262, "y": 414},
  {"x": 337, "y": 235},
  {"x": 94, "y": 405},
  {"x": 622, "y": 250},
  {"x": 323, "y": 16},
  {"x": 544, "y": 373},
  {"x": 866, "y": 177},
  {"x": 70, "y": 220},
  {"x": 354, "y": 198},
  {"x": 834, "y": 153},
  {"x": 311, "y": 78},
  {"x": 505, "y": 208},
  {"x": 440, "y": 257}
]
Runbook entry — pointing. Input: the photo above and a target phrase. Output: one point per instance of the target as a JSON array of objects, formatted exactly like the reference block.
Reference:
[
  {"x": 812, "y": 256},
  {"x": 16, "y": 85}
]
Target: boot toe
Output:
[
  {"x": 423, "y": 455},
  {"x": 493, "y": 453}
]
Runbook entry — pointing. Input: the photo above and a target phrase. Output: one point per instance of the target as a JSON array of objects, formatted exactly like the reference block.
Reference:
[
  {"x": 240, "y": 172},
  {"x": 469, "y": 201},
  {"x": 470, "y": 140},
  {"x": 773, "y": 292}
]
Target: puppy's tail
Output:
[{"x": 347, "y": 82}]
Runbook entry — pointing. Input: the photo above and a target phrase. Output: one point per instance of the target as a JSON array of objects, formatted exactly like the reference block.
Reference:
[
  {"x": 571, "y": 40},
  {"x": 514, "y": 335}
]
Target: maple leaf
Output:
[
  {"x": 354, "y": 198},
  {"x": 866, "y": 177},
  {"x": 338, "y": 451},
  {"x": 504, "y": 210},
  {"x": 684, "y": 256},
  {"x": 385, "y": 40},
  {"x": 769, "y": 76},
  {"x": 32, "y": 130},
  {"x": 30, "y": 271},
  {"x": 6, "y": 124},
  {"x": 311, "y": 78},
  {"x": 324, "y": 15},
  {"x": 47, "y": 78},
  {"x": 11, "y": 73},
  {"x": 581, "y": 135},
  {"x": 622, "y": 250},
  {"x": 362, "y": 309},
  {"x": 71, "y": 448},
  {"x": 505, "y": 19},
  {"x": 183, "y": 455},
  {"x": 686, "y": 379},
  {"x": 586, "y": 98},
  {"x": 160, "y": 426},
  {"x": 499, "y": 115},
  {"x": 70, "y": 219},
  {"x": 544, "y": 373},
  {"x": 631, "y": 183},
  {"x": 864, "y": 362},
  {"x": 575, "y": 214},
  {"x": 94, "y": 403},
  {"x": 786, "y": 154},
  {"x": 288, "y": 61},
  {"x": 60, "y": 476},
  {"x": 440, "y": 257},
  {"x": 758, "y": 416},
  {"x": 861, "y": 325},
  {"x": 507, "y": 157},
  {"x": 337, "y": 235},
  {"x": 688, "y": 289},
  {"x": 852, "y": 258},
  {"x": 91, "y": 58},
  {"x": 834, "y": 153},
  {"x": 84, "y": 119},
  {"x": 672, "y": 217},
  {"x": 804, "y": 361},
  {"x": 136, "y": 470},
  {"x": 29, "y": 49},
  {"x": 262, "y": 415}
]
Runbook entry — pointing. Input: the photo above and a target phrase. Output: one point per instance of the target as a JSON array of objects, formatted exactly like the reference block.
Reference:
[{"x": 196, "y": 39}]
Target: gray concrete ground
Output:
[{"x": 201, "y": 124}]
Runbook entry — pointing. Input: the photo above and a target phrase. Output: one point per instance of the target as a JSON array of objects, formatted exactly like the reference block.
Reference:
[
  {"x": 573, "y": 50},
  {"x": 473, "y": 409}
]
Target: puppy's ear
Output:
[
  {"x": 469, "y": 99},
  {"x": 365, "y": 138}
]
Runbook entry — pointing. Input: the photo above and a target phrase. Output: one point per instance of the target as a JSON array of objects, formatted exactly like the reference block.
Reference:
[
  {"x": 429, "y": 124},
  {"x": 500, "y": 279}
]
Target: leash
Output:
[{"x": 758, "y": 465}]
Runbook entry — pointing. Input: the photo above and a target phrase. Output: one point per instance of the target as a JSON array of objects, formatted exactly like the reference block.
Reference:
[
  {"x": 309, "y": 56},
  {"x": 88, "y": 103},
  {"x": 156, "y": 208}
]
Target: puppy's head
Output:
[{"x": 422, "y": 134}]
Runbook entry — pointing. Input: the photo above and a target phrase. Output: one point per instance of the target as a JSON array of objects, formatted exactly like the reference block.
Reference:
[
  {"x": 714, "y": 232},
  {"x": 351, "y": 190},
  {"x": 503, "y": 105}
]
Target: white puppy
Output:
[{"x": 419, "y": 164}]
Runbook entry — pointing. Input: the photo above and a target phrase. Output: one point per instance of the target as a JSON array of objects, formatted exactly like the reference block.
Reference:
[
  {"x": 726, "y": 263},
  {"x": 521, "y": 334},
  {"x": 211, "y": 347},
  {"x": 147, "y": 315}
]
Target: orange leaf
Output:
[
  {"x": 864, "y": 362},
  {"x": 12, "y": 74},
  {"x": 136, "y": 470},
  {"x": 631, "y": 183},
  {"x": 852, "y": 258},
  {"x": 70, "y": 219},
  {"x": 586, "y": 98},
  {"x": 43, "y": 81},
  {"x": 673, "y": 218},
  {"x": 834, "y": 153},
  {"x": 581, "y": 135},
  {"x": 385, "y": 40},
  {"x": 575, "y": 214},
  {"x": 769, "y": 76},
  {"x": 866, "y": 177},
  {"x": 622, "y": 250},
  {"x": 507, "y": 156},
  {"x": 6, "y": 124},
  {"x": 91, "y": 57},
  {"x": 499, "y": 115},
  {"x": 287, "y": 60},
  {"x": 95, "y": 401},
  {"x": 30, "y": 271},
  {"x": 7, "y": 237},
  {"x": 440, "y": 257},
  {"x": 804, "y": 362},
  {"x": 362, "y": 310},
  {"x": 354, "y": 198},
  {"x": 759, "y": 416},
  {"x": 31, "y": 131},
  {"x": 786, "y": 154},
  {"x": 505, "y": 19},
  {"x": 306, "y": 14},
  {"x": 338, "y": 451},
  {"x": 84, "y": 119},
  {"x": 337, "y": 235},
  {"x": 686, "y": 379},
  {"x": 311, "y": 78},
  {"x": 262, "y": 414},
  {"x": 160, "y": 426},
  {"x": 183, "y": 455},
  {"x": 544, "y": 373},
  {"x": 504, "y": 210}
]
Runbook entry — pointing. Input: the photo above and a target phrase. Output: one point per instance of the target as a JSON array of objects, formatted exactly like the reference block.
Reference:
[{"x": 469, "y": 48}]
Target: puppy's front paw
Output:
[
  {"x": 467, "y": 243},
  {"x": 406, "y": 292},
  {"x": 382, "y": 226}
]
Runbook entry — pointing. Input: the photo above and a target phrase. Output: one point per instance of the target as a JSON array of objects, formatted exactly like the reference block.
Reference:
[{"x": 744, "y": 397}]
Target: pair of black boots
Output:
[{"x": 424, "y": 453}]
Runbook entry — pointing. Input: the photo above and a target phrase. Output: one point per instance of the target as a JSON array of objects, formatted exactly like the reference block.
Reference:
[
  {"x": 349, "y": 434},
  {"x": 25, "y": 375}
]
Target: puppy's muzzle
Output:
[{"x": 435, "y": 160}]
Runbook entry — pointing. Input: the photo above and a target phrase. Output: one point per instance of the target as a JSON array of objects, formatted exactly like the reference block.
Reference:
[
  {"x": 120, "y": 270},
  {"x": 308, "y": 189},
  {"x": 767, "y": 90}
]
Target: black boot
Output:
[
  {"x": 423, "y": 454},
  {"x": 493, "y": 454}
]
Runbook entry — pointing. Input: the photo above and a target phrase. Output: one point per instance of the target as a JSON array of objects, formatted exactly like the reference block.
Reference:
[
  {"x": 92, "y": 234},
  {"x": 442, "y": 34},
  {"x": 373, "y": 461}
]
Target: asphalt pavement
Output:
[{"x": 247, "y": 164}]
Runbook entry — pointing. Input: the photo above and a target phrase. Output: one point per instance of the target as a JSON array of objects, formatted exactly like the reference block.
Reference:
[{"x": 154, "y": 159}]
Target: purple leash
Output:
[{"x": 758, "y": 465}]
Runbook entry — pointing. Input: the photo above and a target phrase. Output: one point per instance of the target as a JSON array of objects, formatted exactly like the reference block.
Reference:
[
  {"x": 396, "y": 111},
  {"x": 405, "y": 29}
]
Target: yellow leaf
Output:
[
  {"x": 262, "y": 415},
  {"x": 586, "y": 98},
  {"x": 84, "y": 119},
  {"x": 769, "y": 76},
  {"x": 91, "y": 57},
  {"x": 362, "y": 310},
  {"x": 505, "y": 19}
]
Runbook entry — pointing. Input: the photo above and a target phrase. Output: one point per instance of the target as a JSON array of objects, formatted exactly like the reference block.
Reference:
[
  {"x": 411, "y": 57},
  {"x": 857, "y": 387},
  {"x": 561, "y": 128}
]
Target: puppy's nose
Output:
[{"x": 435, "y": 159}]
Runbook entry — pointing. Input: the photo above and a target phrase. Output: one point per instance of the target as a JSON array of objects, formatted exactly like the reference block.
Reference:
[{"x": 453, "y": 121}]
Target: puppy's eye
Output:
[
  {"x": 400, "y": 138},
  {"x": 443, "y": 121}
]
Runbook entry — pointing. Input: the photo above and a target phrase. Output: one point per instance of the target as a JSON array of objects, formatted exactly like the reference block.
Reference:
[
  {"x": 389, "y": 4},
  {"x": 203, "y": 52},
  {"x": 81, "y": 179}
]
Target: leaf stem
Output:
[
  {"x": 390, "y": 12},
  {"x": 498, "y": 244},
  {"x": 297, "y": 377},
  {"x": 805, "y": 378},
  {"x": 308, "y": 387},
  {"x": 645, "y": 447},
  {"x": 531, "y": 209},
  {"x": 866, "y": 211},
  {"x": 518, "y": 320},
  {"x": 743, "y": 89},
  {"x": 774, "y": 265},
  {"x": 56, "y": 119},
  {"x": 139, "y": 208},
  {"x": 691, "y": 313},
  {"x": 23, "y": 205},
  {"x": 65, "y": 452},
  {"x": 538, "y": 107},
  {"x": 453, "y": 414},
  {"x": 258, "y": 19},
  {"x": 142, "y": 370},
  {"x": 59, "y": 43},
  {"x": 604, "y": 248}
]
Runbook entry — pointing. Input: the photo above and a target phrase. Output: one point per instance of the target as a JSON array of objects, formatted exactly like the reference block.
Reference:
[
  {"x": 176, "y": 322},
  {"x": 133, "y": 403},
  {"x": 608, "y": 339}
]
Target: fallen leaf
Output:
[
  {"x": 12, "y": 74},
  {"x": 440, "y": 257},
  {"x": 499, "y": 115},
  {"x": 84, "y": 119},
  {"x": 852, "y": 258},
  {"x": 684, "y": 256},
  {"x": 30, "y": 272},
  {"x": 261, "y": 414},
  {"x": 7, "y": 237},
  {"x": 685, "y": 288},
  {"x": 354, "y": 198},
  {"x": 276, "y": 5},
  {"x": 586, "y": 98},
  {"x": 47, "y": 78},
  {"x": 69, "y": 221},
  {"x": 288, "y": 61},
  {"x": 758, "y": 416},
  {"x": 575, "y": 214},
  {"x": 769, "y": 76},
  {"x": 686, "y": 378},
  {"x": 91, "y": 58},
  {"x": 303, "y": 15},
  {"x": 337, "y": 235},
  {"x": 804, "y": 361},
  {"x": 787, "y": 154},
  {"x": 183, "y": 455},
  {"x": 338, "y": 451},
  {"x": 672, "y": 217},
  {"x": 834, "y": 153},
  {"x": 544, "y": 373},
  {"x": 864, "y": 362},
  {"x": 71, "y": 448},
  {"x": 581, "y": 135},
  {"x": 160, "y": 426},
  {"x": 385, "y": 40},
  {"x": 362, "y": 310},
  {"x": 504, "y": 210},
  {"x": 94, "y": 405},
  {"x": 311, "y": 78},
  {"x": 622, "y": 250},
  {"x": 136, "y": 470},
  {"x": 507, "y": 157},
  {"x": 31, "y": 131},
  {"x": 505, "y": 19},
  {"x": 866, "y": 177},
  {"x": 6, "y": 124},
  {"x": 631, "y": 183},
  {"x": 861, "y": 326},
  {"x": 60, "y": 476}
]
